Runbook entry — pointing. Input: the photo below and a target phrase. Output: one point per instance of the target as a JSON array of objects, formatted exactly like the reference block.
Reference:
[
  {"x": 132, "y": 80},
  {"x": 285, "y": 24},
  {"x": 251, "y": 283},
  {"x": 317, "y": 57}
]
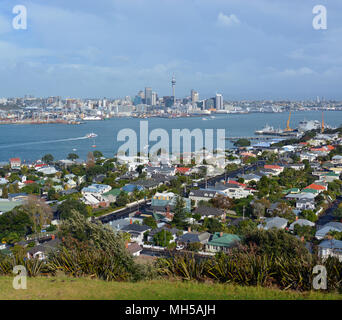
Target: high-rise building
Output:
[
  {"x": 219, "y": 101},
  {"x": 154, "y": 99},
  {"x": 148, "y": 96},
  {"x": 173, "y": 83},
  {"x": 194, "y": 96}
]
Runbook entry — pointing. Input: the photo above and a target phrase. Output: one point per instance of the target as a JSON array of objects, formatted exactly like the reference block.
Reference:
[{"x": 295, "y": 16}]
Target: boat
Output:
[
  {"x": 91, "y": 118},
  {"x": 91, "y": 135},
  {"x": 270, "y": 131}
]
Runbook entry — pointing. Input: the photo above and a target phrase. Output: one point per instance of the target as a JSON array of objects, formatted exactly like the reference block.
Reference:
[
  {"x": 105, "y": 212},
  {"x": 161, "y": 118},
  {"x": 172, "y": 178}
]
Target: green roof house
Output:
[{"x": 222, "y": 242}]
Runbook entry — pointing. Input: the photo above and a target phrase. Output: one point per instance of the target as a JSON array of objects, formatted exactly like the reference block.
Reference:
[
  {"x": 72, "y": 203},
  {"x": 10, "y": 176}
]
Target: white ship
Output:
[
  {"x": 268, "y": 130},
  {"x": 91, "y": 135},
  {"x": 91, "y": 118},
  {"x": 312, "y": 125}
]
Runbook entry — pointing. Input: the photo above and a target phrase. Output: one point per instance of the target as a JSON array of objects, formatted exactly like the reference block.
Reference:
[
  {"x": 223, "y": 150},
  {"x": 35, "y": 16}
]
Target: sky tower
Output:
[{"x": 173, "y": 83}]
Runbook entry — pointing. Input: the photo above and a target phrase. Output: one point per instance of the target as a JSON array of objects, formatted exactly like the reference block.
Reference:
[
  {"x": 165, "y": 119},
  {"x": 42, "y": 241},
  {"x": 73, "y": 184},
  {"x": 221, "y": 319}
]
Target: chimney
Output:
[
  {"x": 189, "y": 229},
  {"x": 302, "y": 239},
  {"x": 296, "y": 218},
  {"x": 53, "y": 237},
  {"x": 131, "y": 221},
  {"x": 221, "y": 234},
  {"x": 126, "y": 244}
]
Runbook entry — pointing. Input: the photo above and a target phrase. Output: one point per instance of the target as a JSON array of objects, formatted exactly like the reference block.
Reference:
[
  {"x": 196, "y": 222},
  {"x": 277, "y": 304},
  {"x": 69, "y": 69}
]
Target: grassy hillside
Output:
[{"x": 81, "y": 289}]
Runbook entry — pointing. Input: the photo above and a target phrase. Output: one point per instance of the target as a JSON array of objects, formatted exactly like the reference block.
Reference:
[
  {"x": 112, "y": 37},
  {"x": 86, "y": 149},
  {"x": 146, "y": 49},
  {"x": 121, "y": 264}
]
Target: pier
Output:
[{"x": 256, "y": 138}]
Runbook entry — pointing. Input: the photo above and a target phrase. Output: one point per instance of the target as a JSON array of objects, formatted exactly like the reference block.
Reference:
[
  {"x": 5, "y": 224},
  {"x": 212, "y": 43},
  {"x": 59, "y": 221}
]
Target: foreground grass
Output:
[{"x": 89, "y": 289}]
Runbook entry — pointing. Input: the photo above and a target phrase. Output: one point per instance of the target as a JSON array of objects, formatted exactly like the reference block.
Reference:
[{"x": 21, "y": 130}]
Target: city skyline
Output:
[{"x": 264, "y": 50}]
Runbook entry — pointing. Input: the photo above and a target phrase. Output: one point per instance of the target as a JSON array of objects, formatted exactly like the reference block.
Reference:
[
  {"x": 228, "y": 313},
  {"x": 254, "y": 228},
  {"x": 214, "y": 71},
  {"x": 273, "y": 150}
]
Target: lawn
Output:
[{"x": 89, "y": 289}]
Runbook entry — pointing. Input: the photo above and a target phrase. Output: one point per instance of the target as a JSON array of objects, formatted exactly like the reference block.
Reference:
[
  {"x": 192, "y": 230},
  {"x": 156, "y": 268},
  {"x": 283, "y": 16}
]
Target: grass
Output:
[{"x": 65, "y": 288}]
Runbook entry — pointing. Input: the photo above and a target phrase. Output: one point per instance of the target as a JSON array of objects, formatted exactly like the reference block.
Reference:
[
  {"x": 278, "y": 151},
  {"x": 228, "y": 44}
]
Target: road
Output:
[{"x": 328, "y": 214}]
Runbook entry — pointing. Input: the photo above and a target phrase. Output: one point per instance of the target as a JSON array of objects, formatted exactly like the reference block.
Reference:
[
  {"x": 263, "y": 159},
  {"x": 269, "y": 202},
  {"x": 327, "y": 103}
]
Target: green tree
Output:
[
  {"x": 66, "y": 208},
  {"x": 97, "y": 154},
  {"x": 162, "y": 238},
  {"x": 72, "y": 156},
  {"x": 179, "y": 213},
  {"x": 151, "y": 222},
  {"x": 242, "y": 143},
  {"x": 48, "y": 158},
  {"x": 122, "y": 199},
  {"x": 4, "y": 193},
  {"x": 309, "y": 215}
]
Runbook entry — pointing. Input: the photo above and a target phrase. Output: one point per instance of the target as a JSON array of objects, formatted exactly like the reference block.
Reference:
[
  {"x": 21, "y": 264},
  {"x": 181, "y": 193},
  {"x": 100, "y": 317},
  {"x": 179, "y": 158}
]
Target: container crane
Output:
[{"x": 288, "y": 129}]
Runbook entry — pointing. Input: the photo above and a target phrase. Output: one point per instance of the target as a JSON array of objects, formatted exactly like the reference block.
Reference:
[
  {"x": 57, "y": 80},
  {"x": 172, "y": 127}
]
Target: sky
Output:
[{"x": 244, "y": 49}]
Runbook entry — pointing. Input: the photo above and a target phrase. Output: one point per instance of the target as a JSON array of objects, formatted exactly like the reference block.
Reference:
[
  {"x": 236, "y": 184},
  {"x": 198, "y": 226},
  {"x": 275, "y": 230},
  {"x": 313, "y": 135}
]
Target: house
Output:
[
  {"x": 136, "y": 232},
  {"x": 166, "y": 201},
  {"x": 3, "y": 181},
  {"x": 202, "y": 195},
  {"x": 277, "y": 169},
  {"x": 111, "y": 195},
  {"x": 47, "y": 170},
  {"x": 97, "y": 189},
  {"x": 41, "y": 251},
  {"x": 330, "y": 248},
  {"x": 18, "y": 196},
  {"x": 276, "y": 222},
  {"x": 325, "y": 229},
  {"x": 337, "y": 159},
  {"x": 70, "y": 184},
  {"x": 305, "y": 204},
  {"x": 250, "y": 177},
  {"x": 183, "y": 170},
  {"x": 209, "y": 212},
  {"x": 134, "y": 249},
  {"x": 194, "y": 237},
  {"x": 15, "y": 163},
  {"x": 129, "y": 188},
  {"x": 220, "y": 241},
  {"x": 301, "y": 222}
]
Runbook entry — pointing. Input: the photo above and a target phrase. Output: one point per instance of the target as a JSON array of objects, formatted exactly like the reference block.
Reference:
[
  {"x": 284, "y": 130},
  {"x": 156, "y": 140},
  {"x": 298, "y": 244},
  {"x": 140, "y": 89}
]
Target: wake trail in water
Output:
[{"x": 40, "y": 142}]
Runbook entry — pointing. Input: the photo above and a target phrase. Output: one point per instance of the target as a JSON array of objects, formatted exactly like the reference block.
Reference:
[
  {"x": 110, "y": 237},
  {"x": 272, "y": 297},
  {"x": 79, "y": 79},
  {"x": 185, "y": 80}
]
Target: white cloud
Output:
[
  {"x": 297, "y": 72},
  {"x": 227, "y": 21}
]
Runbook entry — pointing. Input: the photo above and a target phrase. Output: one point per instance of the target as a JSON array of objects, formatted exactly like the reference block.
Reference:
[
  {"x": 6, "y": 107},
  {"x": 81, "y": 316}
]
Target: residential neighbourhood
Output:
[{"x": 290, "y": 185}]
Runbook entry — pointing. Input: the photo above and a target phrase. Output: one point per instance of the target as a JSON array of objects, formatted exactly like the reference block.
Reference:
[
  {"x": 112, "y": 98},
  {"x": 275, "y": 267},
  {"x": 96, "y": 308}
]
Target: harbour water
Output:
[{"x": 31, "y": 142}]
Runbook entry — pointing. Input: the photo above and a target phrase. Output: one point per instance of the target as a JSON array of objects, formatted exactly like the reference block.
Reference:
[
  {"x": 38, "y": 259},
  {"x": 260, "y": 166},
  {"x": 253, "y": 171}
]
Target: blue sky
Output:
[{"x": 245, "y": 49}]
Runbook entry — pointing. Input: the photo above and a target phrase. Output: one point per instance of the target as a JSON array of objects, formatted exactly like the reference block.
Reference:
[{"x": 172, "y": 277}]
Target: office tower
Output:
[
  {"x": 173, "y": 83},
  {"x": 154, "y": 98},
  {"x": 194, "y": 96},
  {"x": 219, "y": 101},
  {"x": 148, "y": 96},
  {"x": 141, "y": 94}
]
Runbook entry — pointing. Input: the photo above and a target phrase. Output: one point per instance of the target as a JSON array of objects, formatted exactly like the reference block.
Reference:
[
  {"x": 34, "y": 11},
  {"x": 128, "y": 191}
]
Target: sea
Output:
[{"x": 31, "y": 142}]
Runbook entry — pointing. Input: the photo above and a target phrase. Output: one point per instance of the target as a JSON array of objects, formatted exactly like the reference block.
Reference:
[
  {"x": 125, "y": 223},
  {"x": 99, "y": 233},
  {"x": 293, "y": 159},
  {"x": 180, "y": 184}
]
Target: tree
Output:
[
  {"x": 162, "y": 238},
  {"x": 309, "y": 215},
  {"x": 39, "y": 212},
  {"x": 222, "y": 202},
  {"x": 179, "y": 213},
  {"x": 65, "y": 209},
  {"x": 242, "y": 143},
  {"x": 338, "y": 213},
  {"x": 72, "y": 156},
  {"x": 97, "y": 154},
  {"x": 276, "y": 243},
  {"x": 122, "y": 199},
  {"x": 151, "y": 222},
  {"x": 260, "y": 206},
  {"x": 212, "y": 225},
  {"x": 48, "y": 158},
  {"x": 4, "y": 193}
]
